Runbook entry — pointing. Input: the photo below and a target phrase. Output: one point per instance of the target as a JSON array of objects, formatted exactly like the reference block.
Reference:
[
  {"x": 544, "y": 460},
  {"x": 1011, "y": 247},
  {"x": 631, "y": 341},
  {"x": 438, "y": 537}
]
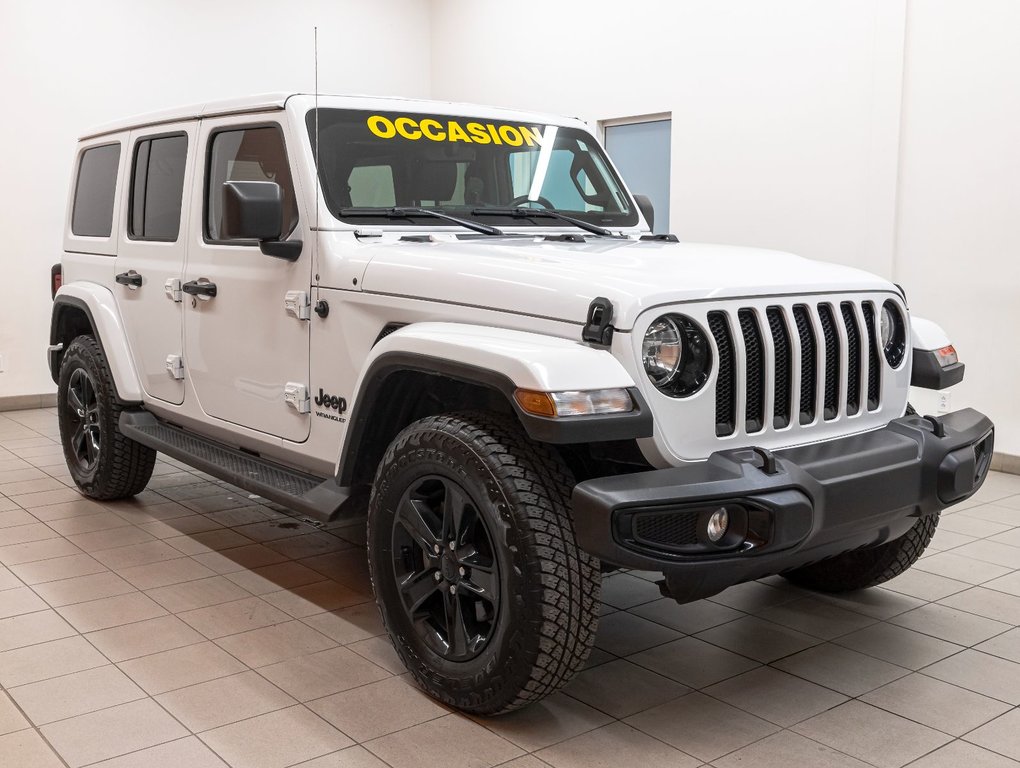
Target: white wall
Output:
[
  {"x": 958, "y": 244},
  {"x": 66, "y": 66},
  {"x": 785, "y": 114}
]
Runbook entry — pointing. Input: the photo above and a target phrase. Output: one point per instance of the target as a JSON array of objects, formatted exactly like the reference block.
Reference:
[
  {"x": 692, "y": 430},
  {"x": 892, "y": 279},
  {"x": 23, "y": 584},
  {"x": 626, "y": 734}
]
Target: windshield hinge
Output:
[{"x": 598, "y": 327}]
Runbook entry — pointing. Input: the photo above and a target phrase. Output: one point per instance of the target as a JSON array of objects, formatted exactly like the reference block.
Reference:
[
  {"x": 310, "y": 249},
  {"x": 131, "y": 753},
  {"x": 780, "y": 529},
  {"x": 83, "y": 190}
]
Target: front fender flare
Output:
[
  {"x": 926, "y": 371},
  {"x": 100, "y": 307},
  {"x": 502, "y": 360}
]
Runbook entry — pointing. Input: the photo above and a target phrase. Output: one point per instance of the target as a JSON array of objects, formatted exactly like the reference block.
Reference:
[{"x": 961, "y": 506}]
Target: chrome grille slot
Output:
[
  {"x": 783, "y": 387},
  {"x": 831, "y": 337},
  {"x": 853, "y": 373},
  {"x": 725, "y": 387},
  {"x": 754, "y": 372},
  {"x": 874, "y": 371},
  {"x": 808, "y": 364}
]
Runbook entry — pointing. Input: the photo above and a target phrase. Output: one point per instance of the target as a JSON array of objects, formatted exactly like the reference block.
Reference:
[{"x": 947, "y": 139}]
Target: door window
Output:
[
  {"x": 157, "y": 188},
  {"x": 248, "y": 154},
  {"x": 92, "y": 214}
]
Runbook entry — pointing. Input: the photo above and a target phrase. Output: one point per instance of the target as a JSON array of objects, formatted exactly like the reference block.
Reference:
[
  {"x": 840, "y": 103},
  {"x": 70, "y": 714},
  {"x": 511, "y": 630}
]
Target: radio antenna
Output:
[{"x": 315, "y": 46}]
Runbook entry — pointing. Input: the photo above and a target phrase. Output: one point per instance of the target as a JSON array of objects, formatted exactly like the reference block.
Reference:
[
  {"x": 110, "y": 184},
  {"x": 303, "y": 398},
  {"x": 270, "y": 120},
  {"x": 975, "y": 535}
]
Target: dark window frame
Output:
[
  {"x": 131, "y": 186},
  {"x": 210, "y": 140},
  {"x": 77, "y": 186}
]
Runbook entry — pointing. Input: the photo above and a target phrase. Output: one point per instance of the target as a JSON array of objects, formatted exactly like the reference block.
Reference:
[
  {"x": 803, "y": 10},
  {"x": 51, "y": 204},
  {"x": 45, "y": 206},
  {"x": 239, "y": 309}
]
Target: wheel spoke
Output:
[
  {"x": 417, "y": 588},
  {"x": 483, "y": 583},
  {"x": 456, "y": 629},
  {"x": 78, "y": 441},
  {"x": 413, "y": 515},
  {"x": 92, "y": 444},
  {"x": 454, "y": 504},
  {"x": 74, "y": 399}
]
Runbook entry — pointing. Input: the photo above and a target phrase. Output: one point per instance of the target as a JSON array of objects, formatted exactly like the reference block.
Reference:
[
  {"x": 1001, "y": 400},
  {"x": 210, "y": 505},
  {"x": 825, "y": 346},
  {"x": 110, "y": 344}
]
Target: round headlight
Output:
[
  {"x": 886, "y": 326},
  {"x": 894, "y": 334},
  {"x": 676, "y": 355},
  {"x": 662, "y": 350}
]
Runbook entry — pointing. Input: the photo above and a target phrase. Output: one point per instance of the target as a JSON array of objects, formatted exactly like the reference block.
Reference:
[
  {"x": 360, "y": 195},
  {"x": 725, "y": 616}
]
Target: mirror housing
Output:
[
  {"x": 253, "y": 210},
  {"x": 644, "y": 203}
]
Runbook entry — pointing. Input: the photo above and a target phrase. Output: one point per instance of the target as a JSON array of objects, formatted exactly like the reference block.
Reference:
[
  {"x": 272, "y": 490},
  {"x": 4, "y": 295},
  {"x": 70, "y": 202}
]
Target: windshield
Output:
[{"x": 463, "y": 165}]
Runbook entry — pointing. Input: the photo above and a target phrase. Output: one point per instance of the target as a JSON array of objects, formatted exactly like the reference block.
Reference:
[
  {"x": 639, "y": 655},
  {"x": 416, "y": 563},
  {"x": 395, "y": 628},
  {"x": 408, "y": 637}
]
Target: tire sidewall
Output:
[
  {"x": 81, "y": 354},
  {"x": 509, "y": 652}
]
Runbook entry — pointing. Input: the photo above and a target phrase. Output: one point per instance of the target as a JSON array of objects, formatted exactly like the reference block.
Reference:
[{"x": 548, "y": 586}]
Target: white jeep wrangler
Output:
[{"x": 460, "y": 311}]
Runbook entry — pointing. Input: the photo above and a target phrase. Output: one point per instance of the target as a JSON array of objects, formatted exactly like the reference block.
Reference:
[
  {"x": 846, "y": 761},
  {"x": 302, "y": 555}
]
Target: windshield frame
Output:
[{"x": 629, "y": 218}]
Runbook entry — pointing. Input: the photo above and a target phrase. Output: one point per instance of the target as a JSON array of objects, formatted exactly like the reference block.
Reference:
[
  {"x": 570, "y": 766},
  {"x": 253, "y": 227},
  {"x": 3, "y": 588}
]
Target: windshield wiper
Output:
[
  {"x": 406, "y": 212},
  {"x": 547, "y": 213}
]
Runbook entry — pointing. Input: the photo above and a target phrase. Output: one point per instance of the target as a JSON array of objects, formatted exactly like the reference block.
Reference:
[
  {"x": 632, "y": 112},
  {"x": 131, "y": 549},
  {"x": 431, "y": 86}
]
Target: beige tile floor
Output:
[{"x": 193, "y": 627}]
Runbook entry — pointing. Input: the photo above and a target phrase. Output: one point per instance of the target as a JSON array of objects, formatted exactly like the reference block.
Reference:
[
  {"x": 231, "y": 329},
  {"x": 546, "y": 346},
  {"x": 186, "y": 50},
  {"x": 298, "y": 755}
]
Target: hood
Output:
[{"x": 557, "y": 280}]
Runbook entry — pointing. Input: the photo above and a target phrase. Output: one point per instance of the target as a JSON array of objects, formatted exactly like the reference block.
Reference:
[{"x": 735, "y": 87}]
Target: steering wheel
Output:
[{"x": 522, "y": 199}]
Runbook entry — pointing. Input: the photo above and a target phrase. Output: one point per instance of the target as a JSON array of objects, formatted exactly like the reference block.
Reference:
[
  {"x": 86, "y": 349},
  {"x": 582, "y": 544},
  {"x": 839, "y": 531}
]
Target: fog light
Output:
[{"x": 717, "y": 524}]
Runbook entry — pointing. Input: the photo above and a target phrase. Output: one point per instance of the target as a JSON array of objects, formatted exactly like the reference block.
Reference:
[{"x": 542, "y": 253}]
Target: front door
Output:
[
  {"x": 150, "y": 256},
  {"x": 243, "y": 349}
]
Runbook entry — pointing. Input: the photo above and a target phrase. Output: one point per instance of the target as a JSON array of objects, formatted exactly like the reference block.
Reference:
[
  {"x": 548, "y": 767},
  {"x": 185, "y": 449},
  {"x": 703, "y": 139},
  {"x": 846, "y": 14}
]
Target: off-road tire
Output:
[
  {"x": 549, "y": 589},
  {"x": 123, "y": 467},
  {"x": 868, "y": 567}
]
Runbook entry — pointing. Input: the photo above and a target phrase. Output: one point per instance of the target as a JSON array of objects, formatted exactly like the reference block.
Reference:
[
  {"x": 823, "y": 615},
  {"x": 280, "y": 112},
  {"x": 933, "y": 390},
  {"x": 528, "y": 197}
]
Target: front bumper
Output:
[{"x": 787, "y": 509}]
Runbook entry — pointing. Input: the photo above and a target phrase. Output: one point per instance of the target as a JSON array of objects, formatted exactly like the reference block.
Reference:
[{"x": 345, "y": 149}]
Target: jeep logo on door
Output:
[{"x": 325, "y": 400}]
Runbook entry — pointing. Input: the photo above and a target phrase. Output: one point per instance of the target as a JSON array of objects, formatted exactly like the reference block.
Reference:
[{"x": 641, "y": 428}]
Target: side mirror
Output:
[
  {"x": 645, "y": 205},
  {"x": 253, "y": 210}
]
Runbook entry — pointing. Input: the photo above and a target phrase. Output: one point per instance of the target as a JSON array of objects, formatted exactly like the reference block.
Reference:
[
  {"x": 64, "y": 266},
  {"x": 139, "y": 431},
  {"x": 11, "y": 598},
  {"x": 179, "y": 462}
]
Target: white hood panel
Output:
[{"x": 558, "y": 280}]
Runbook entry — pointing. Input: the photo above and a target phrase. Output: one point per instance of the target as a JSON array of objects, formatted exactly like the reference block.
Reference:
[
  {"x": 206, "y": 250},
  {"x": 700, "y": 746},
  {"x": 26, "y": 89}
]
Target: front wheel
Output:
[
  {"x": 863, "y": 568},
  {"x": 484, "y": 593},
  {"x": 103, "y": 463}
]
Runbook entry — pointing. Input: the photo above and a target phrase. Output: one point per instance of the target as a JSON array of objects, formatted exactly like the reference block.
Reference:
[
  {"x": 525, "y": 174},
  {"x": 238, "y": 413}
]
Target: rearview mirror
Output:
[
  {"x": 253, "y": 210},
  {"x": 645, "y": 204}
]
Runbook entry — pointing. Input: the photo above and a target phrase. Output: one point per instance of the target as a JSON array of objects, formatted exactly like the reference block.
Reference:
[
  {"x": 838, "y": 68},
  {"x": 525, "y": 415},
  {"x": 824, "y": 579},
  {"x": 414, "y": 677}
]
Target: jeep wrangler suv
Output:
[{"x": 459, "y": 314}]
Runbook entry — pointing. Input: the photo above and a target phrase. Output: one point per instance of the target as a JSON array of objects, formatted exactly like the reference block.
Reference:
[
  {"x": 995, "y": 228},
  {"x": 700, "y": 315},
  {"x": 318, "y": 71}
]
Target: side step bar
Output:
[{"x": 314, "y": 497}]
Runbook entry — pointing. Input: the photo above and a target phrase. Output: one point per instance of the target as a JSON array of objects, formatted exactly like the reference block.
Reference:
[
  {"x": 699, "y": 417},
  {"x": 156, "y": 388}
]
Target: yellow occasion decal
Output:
[{"x": 452, "y": 130}]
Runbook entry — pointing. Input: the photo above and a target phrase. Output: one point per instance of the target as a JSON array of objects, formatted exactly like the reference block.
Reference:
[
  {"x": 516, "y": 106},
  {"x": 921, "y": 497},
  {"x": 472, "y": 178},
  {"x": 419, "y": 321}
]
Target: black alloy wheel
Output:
[
  {"x": 103, "y": 463},
  {"x": 482, "y": 588},
  {"x": 83, "y": 414},
  {"x": 445, "y": 568}
]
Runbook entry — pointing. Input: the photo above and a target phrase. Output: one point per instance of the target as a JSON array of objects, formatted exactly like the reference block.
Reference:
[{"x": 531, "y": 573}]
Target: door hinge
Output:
[
  {"x": 297, "y": 304},
  {"x": 175, "y": 366},
  {"x": 296, "y": 396},
  {"x": 173, "y": 289}
]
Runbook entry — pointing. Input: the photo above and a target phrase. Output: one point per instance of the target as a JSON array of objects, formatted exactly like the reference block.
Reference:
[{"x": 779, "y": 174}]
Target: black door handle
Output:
[
  {"x": 194, "y": 288},
  {"x": 132, "y": 279}
]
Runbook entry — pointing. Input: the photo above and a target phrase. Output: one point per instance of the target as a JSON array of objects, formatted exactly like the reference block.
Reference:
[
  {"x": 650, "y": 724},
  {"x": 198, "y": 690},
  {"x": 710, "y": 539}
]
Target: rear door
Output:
[
  {"x": 150, "y": 257},
  {"x": 243, "y": 349}
]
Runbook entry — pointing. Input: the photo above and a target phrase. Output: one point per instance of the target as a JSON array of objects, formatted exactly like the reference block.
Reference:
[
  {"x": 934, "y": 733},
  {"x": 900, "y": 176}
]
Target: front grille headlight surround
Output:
[
  {"x": 676, "y": 355},
  {"x": 893, "y": 329}
]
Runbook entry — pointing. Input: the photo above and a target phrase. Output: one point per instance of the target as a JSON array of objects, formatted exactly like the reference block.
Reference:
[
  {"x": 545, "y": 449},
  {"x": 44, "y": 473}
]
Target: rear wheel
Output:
[
  {"x": 482, "y": 588},
  {"x": 103, "y": 463},
  {"x": 868, "y": 567}
]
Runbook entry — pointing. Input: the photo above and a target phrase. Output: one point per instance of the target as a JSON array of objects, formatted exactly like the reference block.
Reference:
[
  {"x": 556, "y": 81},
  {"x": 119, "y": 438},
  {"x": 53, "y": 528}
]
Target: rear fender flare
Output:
[{"x": 100, "y": 307}]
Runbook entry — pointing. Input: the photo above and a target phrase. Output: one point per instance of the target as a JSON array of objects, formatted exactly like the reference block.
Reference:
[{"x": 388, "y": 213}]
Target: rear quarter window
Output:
[{"x": 92, "y": 214}]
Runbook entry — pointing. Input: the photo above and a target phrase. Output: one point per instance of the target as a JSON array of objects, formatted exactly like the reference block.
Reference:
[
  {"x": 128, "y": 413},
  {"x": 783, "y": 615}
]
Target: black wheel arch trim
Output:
[{"x": 576, "y": 429}]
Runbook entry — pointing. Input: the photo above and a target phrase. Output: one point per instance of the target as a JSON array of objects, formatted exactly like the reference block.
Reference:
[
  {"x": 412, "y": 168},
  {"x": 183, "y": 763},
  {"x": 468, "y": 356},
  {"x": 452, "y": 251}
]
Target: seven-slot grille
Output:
[{"x": 830, "y": 345}]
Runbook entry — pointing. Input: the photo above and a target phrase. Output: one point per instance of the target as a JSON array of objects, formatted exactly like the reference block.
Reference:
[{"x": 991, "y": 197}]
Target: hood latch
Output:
[{"x": 598, "y": 327}]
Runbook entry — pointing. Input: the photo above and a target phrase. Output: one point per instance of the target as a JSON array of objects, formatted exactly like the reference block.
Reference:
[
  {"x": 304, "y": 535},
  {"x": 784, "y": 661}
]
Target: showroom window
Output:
[
  {"x": 92, "y": 214},
  {"x": 250, "y": 154},
  {"x": 157, "y": 188}
]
